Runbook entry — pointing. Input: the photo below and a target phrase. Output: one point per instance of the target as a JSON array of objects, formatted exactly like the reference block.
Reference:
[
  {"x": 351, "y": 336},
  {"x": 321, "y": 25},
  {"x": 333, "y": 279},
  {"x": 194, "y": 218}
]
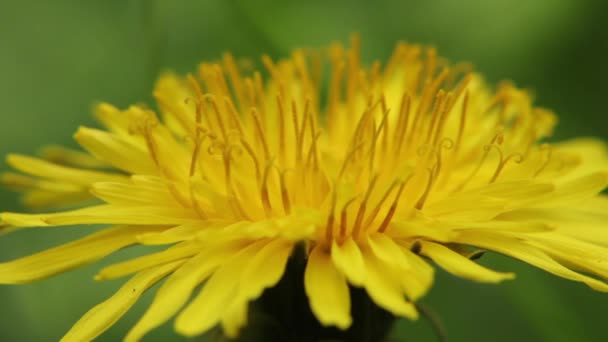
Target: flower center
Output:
[{"x": 387, "y": 142}]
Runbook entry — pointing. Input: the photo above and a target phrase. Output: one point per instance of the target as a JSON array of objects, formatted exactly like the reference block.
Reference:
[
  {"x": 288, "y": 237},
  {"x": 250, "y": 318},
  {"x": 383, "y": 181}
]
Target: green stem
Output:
[{"x": 434, "y": 320}]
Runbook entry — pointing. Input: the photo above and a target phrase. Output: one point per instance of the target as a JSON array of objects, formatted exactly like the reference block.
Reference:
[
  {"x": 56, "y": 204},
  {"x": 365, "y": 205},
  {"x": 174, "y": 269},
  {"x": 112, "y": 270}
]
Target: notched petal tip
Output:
[
  {"x": 327, "y": 290},
  {"x": 13, "y": 220},
  {"x": 462, "y": 266}
]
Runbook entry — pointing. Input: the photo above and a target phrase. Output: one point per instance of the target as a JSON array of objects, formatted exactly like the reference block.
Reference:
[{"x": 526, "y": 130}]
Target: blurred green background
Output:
[{"x": 59, "y": 57}]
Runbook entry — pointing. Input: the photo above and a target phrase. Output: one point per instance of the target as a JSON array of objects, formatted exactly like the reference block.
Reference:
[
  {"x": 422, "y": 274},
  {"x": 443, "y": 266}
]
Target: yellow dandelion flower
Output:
[{"x": 370, "y": 169}]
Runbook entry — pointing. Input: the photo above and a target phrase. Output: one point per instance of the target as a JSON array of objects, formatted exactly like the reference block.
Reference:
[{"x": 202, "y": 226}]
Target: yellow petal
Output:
[
  {"x": 593, "y": 153},
  {"x": 178, "y": 288},
  {"x": 461, "y": 266},
  {"x": 114, "y": 120},
  {"x": 105, "y": 214},
  {"x": 179, "y": 251},
  {"x": 207, "y": 309},
  {"x": 132, "y": 193},
  {"x": 41, "y": 199},
  {"x": 66, "y": 156},
  {"x": 388, "y": 251},
  {"x": 68, "y": 256},
  {"x": 327, "y": 290},
  {"x": 409, "y": 230},
  {"x": 265, "y": 269},
  {"x": 583, "y": 255},
  {"x": 518, "y": 194},
  {"x": 348, "y": 260},
  {"x": 590, "y": 217},
  {"x": 520, "y": 250},
  {"x": 518, "y": 191},
  {"x": 234, "y": 319},
  {"x": 575, "y": 191},
  {"x": 21, "y": 182},
  {"x": 384, "y": 288},
  {"x": 173, "y": 235},
  {"x": 104, "y": 315},
  {"x": 170, "y": 90},
  {"x": 466, "y": 207},
  {"x": 531, "y": 226},
  {"x": 116, "y": 151},
  {"x": 418, "y": 279},
  {"x": 45, "y": 169}
]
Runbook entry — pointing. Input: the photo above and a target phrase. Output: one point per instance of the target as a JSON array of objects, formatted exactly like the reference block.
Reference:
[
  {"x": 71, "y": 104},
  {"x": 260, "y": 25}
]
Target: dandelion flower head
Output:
[{"x": 377, "y": 172}]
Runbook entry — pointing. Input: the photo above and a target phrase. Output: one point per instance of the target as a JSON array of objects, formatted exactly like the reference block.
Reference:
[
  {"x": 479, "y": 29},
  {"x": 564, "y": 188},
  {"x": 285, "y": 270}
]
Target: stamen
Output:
[
  {"x": 402, "y": 123},
  {"x": 384, "y": 124},
  {"x": 344, "y": 217},
  {"x": 460, "y": 90},
  {"x": 195, "y": 153},
  {"x": 235, "y": 78},
  {"x": 296, "y": 128},
  {"x": 348, "y": 159},
  {"x": 195, "y": 85},
  {"x": 516, "y": 157},
  {"x": 251, "y": 153},
  {"x": 420, "y": 204},
  {"x": 395, "y": 59},
  {"x": 437, "y": 108},
  {"x": 374, "y": 75},
  {"x": 442, "y": 119},
  {"x": 236, "y": 120},
  {"x": 250, "y": 92},
  {"x": 284, "y": 192},
  {"x": 300, "y": 138},
  {"x": 488, "y": 148},
  {"x": 235, "y": 204},
  {"x": 260, "y": 133},
  {"x": 430, "y": 88},
  {"x": 195, "y": 203},
  {"x": 463, "y": 121},
  {"x": 417, "y": 81},
  {"x": 376, "y": 210},
  {"x": 316, "y": 73},
  {"x": 448, "y": 144},
  {"x": 227, "y": 171},
  {"x": 314, "y": 135},
  {"x": 221, "y": 80},
  {"x": 419, "y": 111},
  {"x": 312, "y": 152},
  {"x": 271, "y": 67},
  {"x": 218, "y": 115},
  {"x": 361, "y": 124},
  {"x": 281, "y": 119},
  {"x": 549, "y": 149},
  {"x": 375, "y": 135},
  {"x": 198, "y": 118},
  {"x": 329, "y": 226},
  {"x": 497, "y": 139},
  {"x": 391, "y": 210},
  {"x": 362, "y": 207},
  {"x": 302, "y": 71},
  {"x": 259, "y": 91},
  {"x": 264, "y": 191}
]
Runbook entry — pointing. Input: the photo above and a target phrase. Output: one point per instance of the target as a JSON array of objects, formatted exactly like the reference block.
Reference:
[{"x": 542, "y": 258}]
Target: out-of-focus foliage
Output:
[{"x": 59, "y": 57}]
